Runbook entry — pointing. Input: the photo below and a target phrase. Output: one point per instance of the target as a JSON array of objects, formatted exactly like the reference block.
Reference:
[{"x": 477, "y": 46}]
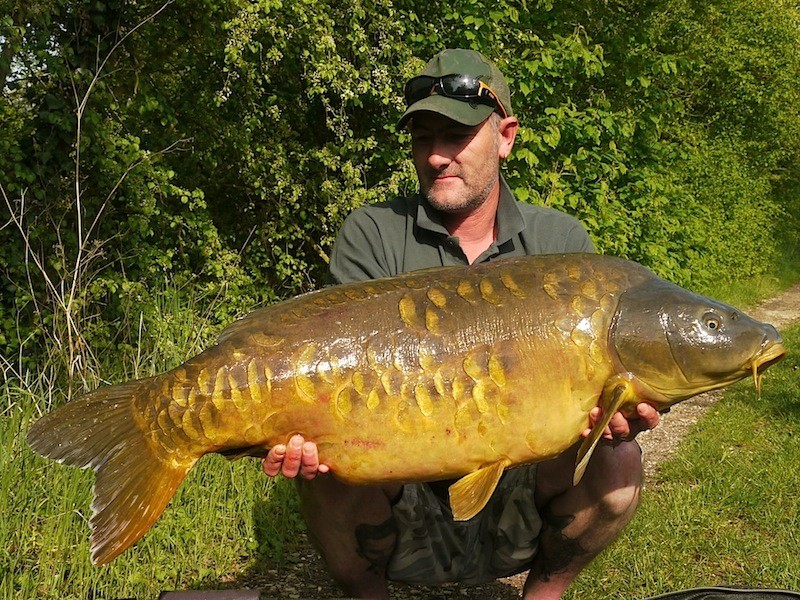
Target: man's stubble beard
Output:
[
  {"x": 473, "y": 202},
  {"x": 468, "y": 204}
]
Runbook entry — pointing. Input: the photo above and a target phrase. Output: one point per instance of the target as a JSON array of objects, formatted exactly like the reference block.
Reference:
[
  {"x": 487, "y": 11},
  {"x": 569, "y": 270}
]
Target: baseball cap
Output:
[{"x": 458, "y": 61}]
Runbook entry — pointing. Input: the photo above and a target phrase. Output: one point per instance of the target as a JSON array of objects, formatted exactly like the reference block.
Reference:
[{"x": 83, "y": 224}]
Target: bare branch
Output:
[{"x": 66, "y": 288}]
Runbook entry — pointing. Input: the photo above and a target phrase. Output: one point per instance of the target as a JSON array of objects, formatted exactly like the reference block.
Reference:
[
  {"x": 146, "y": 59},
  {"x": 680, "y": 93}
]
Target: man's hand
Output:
[
  {"x": 622, "y": 428},
  {"x": 298, "y": 457}
]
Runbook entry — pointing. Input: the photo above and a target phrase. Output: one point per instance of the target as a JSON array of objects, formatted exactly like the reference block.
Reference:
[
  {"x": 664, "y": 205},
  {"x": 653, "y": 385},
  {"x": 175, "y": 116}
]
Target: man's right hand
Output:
[{"x": 298, "y": 457}]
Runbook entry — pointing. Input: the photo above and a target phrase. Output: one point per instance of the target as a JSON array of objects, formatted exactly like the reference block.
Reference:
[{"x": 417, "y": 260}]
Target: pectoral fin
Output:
[
  {"x": 617, "y": 393},
  {"x": 470, "y": 494}
]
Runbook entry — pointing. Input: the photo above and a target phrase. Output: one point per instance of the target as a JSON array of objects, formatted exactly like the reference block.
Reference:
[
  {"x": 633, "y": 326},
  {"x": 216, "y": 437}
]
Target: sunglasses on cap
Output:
[{"x": 459, "y": 87}]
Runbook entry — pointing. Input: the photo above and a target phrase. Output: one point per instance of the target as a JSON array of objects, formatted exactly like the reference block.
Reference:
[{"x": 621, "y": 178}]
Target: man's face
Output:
[{"x": 457, "y": 165}]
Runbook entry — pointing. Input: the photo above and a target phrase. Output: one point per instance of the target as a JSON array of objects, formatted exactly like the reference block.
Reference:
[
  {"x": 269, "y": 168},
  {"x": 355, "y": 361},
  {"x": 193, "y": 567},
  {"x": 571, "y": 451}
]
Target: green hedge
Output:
[{"x": 218, "y": 144}]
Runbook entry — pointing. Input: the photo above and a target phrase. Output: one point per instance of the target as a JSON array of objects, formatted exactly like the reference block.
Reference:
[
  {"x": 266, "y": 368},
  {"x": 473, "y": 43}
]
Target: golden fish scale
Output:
[{"x": 399, "y": 363}]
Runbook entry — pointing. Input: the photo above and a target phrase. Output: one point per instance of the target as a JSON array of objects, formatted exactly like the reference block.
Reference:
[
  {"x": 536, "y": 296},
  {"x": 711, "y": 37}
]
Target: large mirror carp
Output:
[{"x": 453, "y": 372}]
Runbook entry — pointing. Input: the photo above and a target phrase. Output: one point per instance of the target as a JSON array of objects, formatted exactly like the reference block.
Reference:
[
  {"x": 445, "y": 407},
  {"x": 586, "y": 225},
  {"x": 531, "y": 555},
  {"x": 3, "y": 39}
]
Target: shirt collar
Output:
[{"x": 510, "y": 220}]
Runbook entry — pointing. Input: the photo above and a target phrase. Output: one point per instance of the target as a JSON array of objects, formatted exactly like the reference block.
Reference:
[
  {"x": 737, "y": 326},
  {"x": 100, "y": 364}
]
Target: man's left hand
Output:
[{"x": 622, "y": 428}]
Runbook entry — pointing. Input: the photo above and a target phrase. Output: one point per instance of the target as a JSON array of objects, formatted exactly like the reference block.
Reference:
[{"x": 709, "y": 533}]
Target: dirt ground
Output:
[{"x": 306, "y": 578}]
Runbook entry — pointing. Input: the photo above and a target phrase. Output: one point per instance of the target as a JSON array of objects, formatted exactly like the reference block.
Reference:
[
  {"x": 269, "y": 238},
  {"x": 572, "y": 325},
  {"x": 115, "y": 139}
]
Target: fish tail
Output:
[{"x": 132, "y": 485}]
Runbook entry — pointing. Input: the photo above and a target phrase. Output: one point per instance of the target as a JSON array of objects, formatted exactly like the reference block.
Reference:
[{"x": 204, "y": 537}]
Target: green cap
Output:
[{"x": 461, "y": 62}]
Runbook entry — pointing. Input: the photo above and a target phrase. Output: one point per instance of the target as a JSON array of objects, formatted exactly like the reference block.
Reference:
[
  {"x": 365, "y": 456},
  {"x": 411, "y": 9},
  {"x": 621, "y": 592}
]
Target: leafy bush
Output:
[
  {"x": 743, "y": 217},
  {"x": 218, "y": 144}
]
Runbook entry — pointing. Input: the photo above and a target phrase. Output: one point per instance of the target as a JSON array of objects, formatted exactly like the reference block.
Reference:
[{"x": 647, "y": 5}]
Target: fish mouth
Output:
[{"x": 770, "y": 354}]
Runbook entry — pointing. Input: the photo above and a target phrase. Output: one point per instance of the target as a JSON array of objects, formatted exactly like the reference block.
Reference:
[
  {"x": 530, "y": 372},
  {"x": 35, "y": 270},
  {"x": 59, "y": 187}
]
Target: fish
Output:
[{"x": 445, "y": 373}]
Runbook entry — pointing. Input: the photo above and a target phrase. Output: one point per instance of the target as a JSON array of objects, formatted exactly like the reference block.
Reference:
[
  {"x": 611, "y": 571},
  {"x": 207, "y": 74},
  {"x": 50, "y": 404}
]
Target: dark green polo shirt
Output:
[{"x": 406, "y": 234}]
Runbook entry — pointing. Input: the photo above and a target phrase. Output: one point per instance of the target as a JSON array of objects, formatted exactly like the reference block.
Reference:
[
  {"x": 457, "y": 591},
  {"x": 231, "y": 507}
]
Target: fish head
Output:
[{"x": 675, "y": 344}]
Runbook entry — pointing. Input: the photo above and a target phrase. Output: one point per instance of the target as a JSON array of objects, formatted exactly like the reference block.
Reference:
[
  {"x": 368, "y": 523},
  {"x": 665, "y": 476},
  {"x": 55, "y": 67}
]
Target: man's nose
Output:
[{"x": 440, "y": 155}]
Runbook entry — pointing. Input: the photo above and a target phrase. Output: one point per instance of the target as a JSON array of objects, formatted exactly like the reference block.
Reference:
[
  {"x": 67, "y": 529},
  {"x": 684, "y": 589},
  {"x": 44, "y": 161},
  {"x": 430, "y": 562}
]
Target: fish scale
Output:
[{"x": 455, "y": 372}]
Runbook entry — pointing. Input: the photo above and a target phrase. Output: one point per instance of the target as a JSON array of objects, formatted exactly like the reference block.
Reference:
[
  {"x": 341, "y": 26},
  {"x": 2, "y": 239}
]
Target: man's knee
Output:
[
  {"x": 328, "y": 493},
  {"x": 353, "y": 529},
  {"x": 622, "y": 464},
  {"x": 615, "y": 479}
]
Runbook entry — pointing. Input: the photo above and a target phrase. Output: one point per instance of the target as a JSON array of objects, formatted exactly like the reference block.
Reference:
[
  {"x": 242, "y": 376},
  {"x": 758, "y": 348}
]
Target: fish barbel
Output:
[{"x": 452, "y": 372}]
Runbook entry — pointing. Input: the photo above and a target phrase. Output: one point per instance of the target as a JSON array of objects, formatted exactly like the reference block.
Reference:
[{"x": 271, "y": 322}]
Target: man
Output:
[{"x": 459, "y": 116}]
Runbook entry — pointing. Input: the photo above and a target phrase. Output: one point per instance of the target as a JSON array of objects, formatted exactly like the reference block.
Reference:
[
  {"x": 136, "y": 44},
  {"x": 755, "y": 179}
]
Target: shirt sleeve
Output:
[
  {"x": 358, "y": 253},
  {"x": 578, "y": 240}
]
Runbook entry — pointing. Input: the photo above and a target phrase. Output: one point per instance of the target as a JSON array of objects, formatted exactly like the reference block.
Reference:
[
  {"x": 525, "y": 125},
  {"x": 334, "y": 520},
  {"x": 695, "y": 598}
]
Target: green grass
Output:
[
  {"x": 224, "y": 519},
  {"x": 750, "y": 291},
  {"x": 726, "y": 509}
]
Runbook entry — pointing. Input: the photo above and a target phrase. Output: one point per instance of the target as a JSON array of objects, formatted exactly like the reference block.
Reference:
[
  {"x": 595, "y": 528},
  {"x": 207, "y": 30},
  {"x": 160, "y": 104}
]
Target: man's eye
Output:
[{"x": 459, "y": 137}]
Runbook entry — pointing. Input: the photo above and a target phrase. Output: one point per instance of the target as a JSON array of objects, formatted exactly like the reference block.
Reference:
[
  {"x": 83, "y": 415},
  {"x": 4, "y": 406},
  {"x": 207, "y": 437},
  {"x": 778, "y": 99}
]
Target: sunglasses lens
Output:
[
  {"x": 460, "y": 86},
  {"x": 418, "y": 88}
]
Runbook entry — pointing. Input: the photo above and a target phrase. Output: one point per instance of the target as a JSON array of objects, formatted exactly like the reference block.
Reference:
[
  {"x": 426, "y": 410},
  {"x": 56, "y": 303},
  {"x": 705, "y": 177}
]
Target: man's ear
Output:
[{"x": 508, "y": 132}]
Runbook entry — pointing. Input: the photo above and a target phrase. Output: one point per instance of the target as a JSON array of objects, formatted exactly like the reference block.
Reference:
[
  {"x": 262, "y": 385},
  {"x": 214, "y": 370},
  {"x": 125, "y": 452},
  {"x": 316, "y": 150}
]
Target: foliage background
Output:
[{"x": 209, "y": 149}]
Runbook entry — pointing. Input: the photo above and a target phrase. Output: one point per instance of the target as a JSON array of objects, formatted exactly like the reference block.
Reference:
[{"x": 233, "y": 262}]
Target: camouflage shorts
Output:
[{"x": 500, "y": 541}]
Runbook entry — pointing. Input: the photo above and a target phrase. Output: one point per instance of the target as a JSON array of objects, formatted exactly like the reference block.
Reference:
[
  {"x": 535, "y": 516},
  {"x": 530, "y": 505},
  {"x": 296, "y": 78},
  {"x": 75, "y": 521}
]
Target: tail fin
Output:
[{"x": 133, "y": 485}]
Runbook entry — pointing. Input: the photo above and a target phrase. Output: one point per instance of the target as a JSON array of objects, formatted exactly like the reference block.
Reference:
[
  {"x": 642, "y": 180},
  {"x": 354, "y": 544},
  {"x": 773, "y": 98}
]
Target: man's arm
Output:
[{"x": 358, "y": 254}]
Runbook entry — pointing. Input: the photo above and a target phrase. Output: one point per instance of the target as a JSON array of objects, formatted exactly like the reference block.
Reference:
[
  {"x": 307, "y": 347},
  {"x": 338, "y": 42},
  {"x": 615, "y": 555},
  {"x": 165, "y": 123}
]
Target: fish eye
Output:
[{"x": 712, "y": 321}]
